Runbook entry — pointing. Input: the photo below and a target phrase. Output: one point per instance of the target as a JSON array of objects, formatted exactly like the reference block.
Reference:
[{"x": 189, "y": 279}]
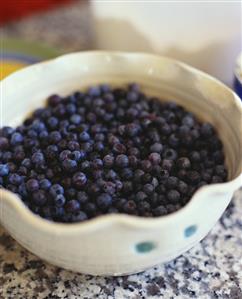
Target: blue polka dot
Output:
[
  {"x": 190, "y": 230},
  {"x": 144, "y": 247}
]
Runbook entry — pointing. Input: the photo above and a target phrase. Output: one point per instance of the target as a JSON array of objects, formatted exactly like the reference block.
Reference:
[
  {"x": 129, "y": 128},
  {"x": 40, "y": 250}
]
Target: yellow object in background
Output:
[{"x": 8, "y": 67}]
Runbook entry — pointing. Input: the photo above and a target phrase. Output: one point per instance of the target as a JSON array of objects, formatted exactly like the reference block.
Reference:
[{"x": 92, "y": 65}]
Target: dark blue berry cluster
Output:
[{"x": 109, "y": 150}]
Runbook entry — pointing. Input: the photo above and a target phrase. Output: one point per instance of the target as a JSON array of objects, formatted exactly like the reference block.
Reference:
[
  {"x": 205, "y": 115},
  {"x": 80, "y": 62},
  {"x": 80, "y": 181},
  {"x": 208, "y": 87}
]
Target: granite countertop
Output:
[{"x": 211, "y": 270}]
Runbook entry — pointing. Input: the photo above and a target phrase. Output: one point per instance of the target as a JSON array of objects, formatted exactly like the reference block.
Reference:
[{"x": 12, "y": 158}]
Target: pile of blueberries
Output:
[{"x": 109, "y": 150}]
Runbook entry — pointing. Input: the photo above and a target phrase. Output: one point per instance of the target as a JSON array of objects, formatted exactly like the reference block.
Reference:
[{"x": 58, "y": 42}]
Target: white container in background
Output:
[{"x": 205, "y": 35}]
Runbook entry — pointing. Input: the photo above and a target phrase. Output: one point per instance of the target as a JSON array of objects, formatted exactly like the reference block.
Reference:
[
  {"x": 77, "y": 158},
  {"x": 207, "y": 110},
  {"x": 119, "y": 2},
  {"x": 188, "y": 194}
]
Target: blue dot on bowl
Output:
[
  {"x": 190, "y": 230},
  {"x": 144, "y": 247}
]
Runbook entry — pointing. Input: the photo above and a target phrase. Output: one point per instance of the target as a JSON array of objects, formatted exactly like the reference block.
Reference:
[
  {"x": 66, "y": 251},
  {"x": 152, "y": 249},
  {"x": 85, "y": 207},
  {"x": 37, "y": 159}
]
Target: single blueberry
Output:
[
  {"x": 140, "y": 196},
  {"x": 119, "y": 148},
  {"x": 97, "y": 174},
  {"x": 138, "y": 174},
  {"x": 7, "y": 156},
  {"x": 22, "y": 190},
  {"x": 167, "y": 164},
  {"x": 207, "y": 130},
  {"x": 82, "y": 197},
  {"x": 119, "y": 185},
  {"x": 38, "y": 126},
  {"x": 18, "y": 156},
  {"x": 133, "y": 161},
  {"x": 127, "y": 187},
  {"x": 143, "y": 207},
  {"x": 195, "y": 156},
  {"x": 160, "y": 211},
  {"x": 32, "y": 134},
  {"x": 80, "y": 216},
  {"x": 126, "y": 173},
  {"x": 59, "y": 200},
  {"x": 109, "y": 187},
  {"x": 64, "y": 155},
  {"x": 148, "y": 189},
  {"x": 104, "y": 201},
  {"x": 6, "y": 131},
  {"x": 39, "y": 198},
  {"x": 99, "y": 146},
  {"x": 23, "y": 171},
  {"x": 46, "y": 212},
  {"x": 85, "y": 165},
  {"x": 183, "y": 163},
  {"x": 70, "y": 193},
  {"x": 32, "y": 185},
  {"x": 221, "y": 171},
  {"x": 78, "y": 155},
  {"x": 69, "y": 165},
  {"x": 172, "y": 182},
  {"x": 188, "y": 121},
  {"x": 45, "y": 184},
  {"x": 94, "y": 91},
  {"x": 72, "y": 206},
  {"x": 155, "y": 158},
  {"x": 193, "y": 176},
  {"x": 54, "y": 100},
  {"x": 76, "y": 119},
  {"x": 132, "y": 96},
  {"x": 108, "y": 161},
  {"x": 174, "y": 196},
  {"x": 54, "y": 137},
  {"x": 111, "y": 174},
  {"x": 87, "y": 147},
  {"x": 165, "y": 129},
  {"x": 216, "y": 179},
  {"x": 84, "y": 136},
  {"x": 73, "y": 145},
  {"x": 170, "y": 154},
  {"x": 4, "y": 170},
  {"x": 97, "y": 163},
  {"x": 156, "y": 148},
  {"x": 130, "y": 207},
  {"x": 15, "y": 179},
  {"x": 70, "y": 108},
  {"x": 90, "y": 208},
  {"x": 132, "y": 129},
  {"x": 52, "y": 122},
  {"x": 56, "y": 189},
  {"x": 146, "y": 165},
  {"x": 12, "y": 166},
  {"x": 182, "y": 187},
  {"x": 37, "y": 158},
  {"x": 173, "y": 141},
  {"x": 79, "y": 179},
  {"x": 122, "y": 161},
  {"x": 16, "y": 138}
]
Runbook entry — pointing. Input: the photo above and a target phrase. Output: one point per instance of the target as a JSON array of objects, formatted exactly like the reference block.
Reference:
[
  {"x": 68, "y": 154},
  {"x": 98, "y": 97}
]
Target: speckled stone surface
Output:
[{"x": 211, "y": 270}]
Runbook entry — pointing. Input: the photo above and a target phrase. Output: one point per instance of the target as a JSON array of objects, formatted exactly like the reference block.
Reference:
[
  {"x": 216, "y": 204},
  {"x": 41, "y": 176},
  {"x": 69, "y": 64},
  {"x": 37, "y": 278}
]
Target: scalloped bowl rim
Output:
[{"x": 108, "y": 219}]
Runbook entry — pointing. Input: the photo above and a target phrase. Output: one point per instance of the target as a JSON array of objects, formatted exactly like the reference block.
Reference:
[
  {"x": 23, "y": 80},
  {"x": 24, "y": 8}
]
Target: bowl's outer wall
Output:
[
  {"x": 110, "y": 248},
  {"x": 107, "y": 246}
]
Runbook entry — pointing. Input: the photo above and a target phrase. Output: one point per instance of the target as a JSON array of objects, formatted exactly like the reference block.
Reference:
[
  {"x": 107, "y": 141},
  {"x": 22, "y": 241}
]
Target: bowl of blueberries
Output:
[{"x": 113, "y": 162}]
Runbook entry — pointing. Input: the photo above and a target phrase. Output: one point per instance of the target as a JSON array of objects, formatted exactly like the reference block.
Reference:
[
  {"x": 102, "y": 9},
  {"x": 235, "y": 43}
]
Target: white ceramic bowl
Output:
[{"x": 122, "y": 244}]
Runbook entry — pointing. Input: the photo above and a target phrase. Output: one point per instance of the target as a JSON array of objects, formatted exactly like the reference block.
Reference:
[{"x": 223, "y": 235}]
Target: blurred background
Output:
[{"x": 205, "y": 34}]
